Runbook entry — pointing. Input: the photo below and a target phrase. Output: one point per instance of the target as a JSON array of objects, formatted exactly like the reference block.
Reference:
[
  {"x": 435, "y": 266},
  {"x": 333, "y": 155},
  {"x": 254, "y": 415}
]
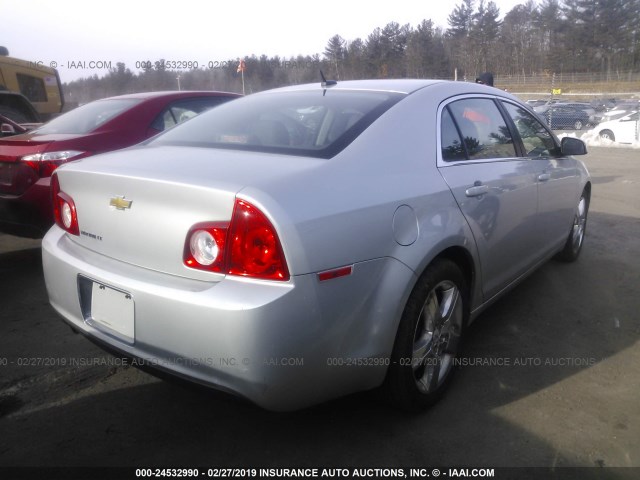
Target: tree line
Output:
[{"x": 559, "y": 36}]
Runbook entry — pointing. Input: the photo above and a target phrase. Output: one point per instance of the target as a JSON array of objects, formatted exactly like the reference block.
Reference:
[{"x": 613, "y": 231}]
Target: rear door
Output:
[{"x": 495, "y": 189}]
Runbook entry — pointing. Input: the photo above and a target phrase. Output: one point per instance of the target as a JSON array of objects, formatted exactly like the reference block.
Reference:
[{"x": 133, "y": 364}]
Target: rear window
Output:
[
  {"x": 316, "y": 124},
  {"x": 88, "y": 117},
  {"x": 184, "y": 109}
]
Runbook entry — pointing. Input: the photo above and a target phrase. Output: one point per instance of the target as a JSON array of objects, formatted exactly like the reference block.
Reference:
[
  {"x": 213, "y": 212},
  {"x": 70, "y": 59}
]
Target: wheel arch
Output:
[
  {"x": 463, "y": 259},
  {"x": 394, "y": 383},
  {"x": 609, "y": 133}
]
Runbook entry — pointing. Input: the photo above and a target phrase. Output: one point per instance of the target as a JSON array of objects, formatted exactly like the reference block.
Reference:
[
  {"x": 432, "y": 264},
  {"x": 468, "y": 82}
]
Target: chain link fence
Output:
[{"x": 575, "y": 85}]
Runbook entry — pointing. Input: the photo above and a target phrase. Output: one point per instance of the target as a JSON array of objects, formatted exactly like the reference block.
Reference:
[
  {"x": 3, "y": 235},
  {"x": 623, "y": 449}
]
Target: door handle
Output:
[
  {"x": 543, "y": 177},
  {"x": 476, "y": 190}
]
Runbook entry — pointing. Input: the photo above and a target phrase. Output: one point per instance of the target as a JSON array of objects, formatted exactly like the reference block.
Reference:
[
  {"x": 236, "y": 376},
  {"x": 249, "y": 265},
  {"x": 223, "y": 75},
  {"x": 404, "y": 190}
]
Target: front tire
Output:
[
  {"x": 428, "y": 338},
  {"x": 573, "y": 245},
  {"x": 578, "y": 125}
]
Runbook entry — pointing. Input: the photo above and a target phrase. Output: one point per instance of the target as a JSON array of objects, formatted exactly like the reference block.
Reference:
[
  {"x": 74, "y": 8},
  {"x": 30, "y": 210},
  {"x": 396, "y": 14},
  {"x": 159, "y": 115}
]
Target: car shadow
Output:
[
  {"x": 21, "y": 259},
  {"x": 604, "y": 179}
]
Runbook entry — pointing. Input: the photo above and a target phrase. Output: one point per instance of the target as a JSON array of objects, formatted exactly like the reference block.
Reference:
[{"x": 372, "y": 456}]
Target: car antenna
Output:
[{"x": 326, "y": 83}]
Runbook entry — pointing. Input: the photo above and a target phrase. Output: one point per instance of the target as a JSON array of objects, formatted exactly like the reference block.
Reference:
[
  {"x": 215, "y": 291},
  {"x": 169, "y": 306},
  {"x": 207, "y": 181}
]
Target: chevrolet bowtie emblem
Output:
[{"x": 120, "y": 203}]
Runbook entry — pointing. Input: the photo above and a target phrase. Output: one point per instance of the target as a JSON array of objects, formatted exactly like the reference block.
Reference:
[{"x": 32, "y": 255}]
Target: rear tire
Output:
[
  {"x": 428, "y": 338},
  {"x": 573, "y": 245},
  {"x": 578, "y": 125}
]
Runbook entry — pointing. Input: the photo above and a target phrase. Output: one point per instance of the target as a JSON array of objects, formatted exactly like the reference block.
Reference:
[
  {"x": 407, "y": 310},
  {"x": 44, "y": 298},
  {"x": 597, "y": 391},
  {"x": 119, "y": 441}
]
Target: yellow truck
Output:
[{"x": 30, "y": 92}]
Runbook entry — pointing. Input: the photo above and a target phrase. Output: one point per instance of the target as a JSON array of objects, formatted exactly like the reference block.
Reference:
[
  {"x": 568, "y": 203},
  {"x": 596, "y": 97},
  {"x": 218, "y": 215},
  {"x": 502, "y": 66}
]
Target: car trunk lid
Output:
[{"x": 138, "y": 205}]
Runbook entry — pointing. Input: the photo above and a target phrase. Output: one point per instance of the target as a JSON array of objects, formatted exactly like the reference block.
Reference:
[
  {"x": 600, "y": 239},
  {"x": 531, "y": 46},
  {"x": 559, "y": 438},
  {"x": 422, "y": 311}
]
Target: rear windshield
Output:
[
  {"x": 308, "y": 123},
  {"x": 88, "y": 117}
]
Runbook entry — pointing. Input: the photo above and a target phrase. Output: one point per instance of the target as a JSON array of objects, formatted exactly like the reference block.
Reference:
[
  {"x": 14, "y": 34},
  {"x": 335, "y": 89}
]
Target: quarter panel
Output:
[{"x": 342, "y": 211}]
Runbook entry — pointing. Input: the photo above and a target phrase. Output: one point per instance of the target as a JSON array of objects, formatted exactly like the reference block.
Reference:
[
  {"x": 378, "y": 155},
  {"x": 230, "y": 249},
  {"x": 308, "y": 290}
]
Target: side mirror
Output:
[{"x": 572, "y": 146}]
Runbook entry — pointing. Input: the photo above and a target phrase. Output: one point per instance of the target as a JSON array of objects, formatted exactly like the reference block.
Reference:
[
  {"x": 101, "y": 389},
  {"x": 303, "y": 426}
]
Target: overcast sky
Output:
[{"x": 208, "y": 32}]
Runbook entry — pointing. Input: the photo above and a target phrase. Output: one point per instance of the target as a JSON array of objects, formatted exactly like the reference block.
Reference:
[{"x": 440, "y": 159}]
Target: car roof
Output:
[
  {"x": 385, "y": 85},
  {"x": 173, "y": 94}
]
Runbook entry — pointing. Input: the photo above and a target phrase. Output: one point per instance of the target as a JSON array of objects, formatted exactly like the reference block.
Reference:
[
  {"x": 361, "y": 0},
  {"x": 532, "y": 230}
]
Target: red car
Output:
[{"x": 28, "y": 160}]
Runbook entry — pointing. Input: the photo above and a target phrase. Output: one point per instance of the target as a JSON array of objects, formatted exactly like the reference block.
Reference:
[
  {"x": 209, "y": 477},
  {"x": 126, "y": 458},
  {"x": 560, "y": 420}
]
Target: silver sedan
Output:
[{"x": 305, "y": 243}]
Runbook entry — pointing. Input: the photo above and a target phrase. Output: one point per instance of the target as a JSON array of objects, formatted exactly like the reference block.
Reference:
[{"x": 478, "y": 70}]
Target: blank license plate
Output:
[{"x": 113, "y": 311}]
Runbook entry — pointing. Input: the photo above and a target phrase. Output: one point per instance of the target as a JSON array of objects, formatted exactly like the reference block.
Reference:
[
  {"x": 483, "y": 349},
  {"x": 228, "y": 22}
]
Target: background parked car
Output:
[
  {"x": 622, "y": 130},
  {"x": 28, "y": 160},
  {"x": 621, "y": 109},
  {"x": 537, "y": 103},
  {"x": 601, "y": 105},
  {"x": 563, "y": 116}
]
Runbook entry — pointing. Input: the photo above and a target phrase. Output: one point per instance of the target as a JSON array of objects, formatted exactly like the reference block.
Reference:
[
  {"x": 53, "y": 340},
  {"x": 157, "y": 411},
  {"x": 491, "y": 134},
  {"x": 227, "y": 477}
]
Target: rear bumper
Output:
[{"x": 283, "y": 346}]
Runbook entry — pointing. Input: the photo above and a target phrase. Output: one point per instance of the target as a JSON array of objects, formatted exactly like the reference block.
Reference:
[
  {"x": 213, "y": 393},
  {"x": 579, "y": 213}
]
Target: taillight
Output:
[
  {"x": 248, "y": 246},
  {"x": 204, "y": 248},
  {"x": 64, "y": 210},
  {"x": 255, "y": 249},
  {"x": 44, "y": 164}
]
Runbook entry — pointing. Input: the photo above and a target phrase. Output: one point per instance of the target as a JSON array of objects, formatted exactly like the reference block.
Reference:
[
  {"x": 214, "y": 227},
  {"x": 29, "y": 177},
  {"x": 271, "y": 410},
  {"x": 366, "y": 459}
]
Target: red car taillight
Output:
[
  {"x": 44, "y": 164},
  {"x": 248, "y": 246},
  {"x": 64, "y": 210}
]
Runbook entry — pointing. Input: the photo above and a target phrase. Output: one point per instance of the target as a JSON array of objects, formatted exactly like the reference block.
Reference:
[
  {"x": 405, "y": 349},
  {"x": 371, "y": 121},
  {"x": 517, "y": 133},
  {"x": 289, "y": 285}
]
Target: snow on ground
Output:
[{"x": 592, "y": 139}]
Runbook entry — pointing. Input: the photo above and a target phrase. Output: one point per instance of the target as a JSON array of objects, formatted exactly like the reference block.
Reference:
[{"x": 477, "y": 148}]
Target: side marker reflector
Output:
[{"x": 335, "y": 273}]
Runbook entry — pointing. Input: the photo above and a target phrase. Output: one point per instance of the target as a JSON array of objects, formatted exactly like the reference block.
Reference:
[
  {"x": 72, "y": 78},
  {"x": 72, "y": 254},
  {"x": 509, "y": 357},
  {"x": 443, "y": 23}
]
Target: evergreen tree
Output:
[
  {"x": 335, "y": 53},
  {"x": 551, "y": 37},
  {"x": 518, "y": 49},
  {"x": 601, "y": 31},
  {"x": 461, "y": 19},
  {"x": 356, "y": 59},
  {"x": 539, "y": 37},
  {"x": 484, "y": 36},
  {"x": 459, "y": 44},
  {"x": 425, "y": 54},
  {"x": 393, "y": 42},
  {"x": 419, "y": 48}
]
